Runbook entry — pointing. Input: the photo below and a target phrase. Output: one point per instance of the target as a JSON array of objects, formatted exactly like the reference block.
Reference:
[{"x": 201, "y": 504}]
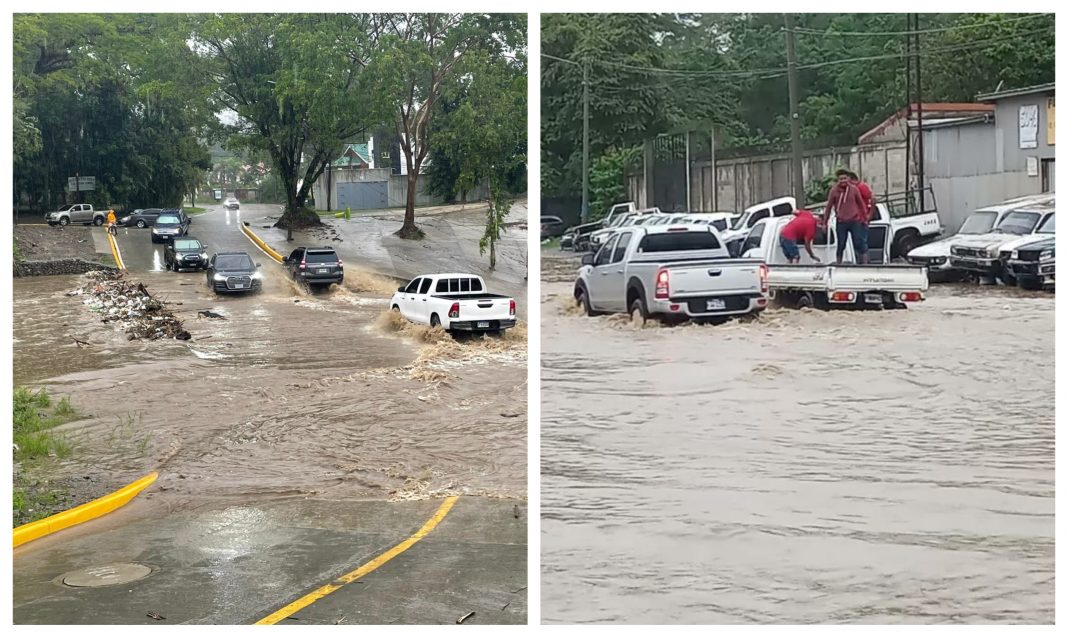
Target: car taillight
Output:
[
  {"x": 842, "y": 296},
  {"x": 763, "y": 278},
  {"x": 339, "y": 264},
  {"x": 910, "y": 296},
  {"x": 303, "y": 263},
  {"x": 454, "y": 311},
  {"x": 661, "y": 284},
  {"x": 511, "y": 307}
]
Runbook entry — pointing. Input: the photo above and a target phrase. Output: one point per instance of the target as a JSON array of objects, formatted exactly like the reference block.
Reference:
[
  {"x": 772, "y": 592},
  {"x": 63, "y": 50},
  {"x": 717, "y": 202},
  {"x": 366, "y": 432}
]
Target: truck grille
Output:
[
  {"x": 233, "y": 282},
  {"x": 1029, "y": 255},
  {"x": 1029, "y": 268},
  {"x": 968, "y": 252}
]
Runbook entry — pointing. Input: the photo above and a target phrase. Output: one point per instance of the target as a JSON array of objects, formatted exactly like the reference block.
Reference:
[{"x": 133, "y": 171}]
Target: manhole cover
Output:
[{"x": 104, "y": 575}]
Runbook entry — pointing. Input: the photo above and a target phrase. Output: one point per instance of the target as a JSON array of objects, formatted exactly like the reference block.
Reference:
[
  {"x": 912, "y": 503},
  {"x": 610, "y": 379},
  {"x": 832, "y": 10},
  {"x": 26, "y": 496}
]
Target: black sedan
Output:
[
  {"x": 185, "y": 253},
  {"x": 141, "y": 218},
  {"x": 234, "y": 272}
]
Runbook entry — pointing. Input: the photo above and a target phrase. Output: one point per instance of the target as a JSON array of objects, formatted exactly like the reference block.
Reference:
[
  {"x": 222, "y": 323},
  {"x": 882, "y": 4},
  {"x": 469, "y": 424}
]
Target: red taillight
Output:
[
  {"x": 911, "y": 296},
  {"x": 661, "y": 284},
  {"x": 842, "y": 296},
  {"x": 511, "y": 307},
  {"x": 763, "y": 278},
  {"x": 454, "y": 311},
  {"x": 303, "y": 263},
  {"x": 339, "y": 262}
]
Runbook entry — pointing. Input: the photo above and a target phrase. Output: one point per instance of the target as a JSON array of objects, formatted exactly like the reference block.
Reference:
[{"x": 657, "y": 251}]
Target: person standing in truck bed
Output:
[{"x": 852, "y": 217}]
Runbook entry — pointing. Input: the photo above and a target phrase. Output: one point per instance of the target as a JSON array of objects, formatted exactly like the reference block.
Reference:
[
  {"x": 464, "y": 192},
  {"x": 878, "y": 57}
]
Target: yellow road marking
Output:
[
  {"x": 362, "y": 570},
  {"x": 82, "y": 513},
  {"x": 115, "y": 251},
  {"x": 271, "y": 252}
]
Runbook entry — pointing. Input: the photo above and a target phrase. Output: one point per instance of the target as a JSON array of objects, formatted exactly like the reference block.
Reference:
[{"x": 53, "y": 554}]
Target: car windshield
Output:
[
  {"x": 1049, "y": 226},
  {"x": 739, "y": 222},
  {"x": 1018, "y": 223},
  {"x": 978, "y": 223},
  {"x": 167, "y": 219},
  {"x": 233, "y": 262},
  {"x": 678, "y": 241},
  {"x": 186, "y": 244}
]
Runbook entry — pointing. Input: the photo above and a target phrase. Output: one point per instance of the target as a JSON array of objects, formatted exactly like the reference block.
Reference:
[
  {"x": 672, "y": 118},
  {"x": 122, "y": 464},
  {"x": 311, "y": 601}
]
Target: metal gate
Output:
[{"x": 362, "y": 195}]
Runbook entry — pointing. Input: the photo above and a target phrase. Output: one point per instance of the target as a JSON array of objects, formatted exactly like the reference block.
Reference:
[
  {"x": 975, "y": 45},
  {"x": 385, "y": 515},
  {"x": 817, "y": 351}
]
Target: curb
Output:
[
  {"x": 115, "y": 252},
  {"x": 271, "y": 252},
  {"x": 87, "y": 512}
]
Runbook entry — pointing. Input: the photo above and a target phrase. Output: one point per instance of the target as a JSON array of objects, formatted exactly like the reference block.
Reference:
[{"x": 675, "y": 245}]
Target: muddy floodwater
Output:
[
  {"x": 809, "y": 467},
  {"x": 291, "y": 393}
]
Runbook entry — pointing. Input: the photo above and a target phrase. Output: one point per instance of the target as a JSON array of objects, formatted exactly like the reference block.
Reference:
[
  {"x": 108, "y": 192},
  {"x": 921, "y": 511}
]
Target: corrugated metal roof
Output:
[{"x": 1026, "y": 90}]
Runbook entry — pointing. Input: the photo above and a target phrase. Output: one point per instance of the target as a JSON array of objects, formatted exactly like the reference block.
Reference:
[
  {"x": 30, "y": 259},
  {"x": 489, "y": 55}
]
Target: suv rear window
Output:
[
  {"x": 461, "y": 284},
  {"x": 321, "y": 257},
  {"x": 678, "y": 241}
]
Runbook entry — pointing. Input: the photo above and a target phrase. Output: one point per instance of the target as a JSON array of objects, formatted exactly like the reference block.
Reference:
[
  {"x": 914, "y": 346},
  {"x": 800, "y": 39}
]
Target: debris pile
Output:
[{"x": 130, "y": 306}]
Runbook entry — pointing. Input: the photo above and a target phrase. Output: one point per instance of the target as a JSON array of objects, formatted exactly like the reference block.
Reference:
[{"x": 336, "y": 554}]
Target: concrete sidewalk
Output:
[{"x": 216, "y": 563}]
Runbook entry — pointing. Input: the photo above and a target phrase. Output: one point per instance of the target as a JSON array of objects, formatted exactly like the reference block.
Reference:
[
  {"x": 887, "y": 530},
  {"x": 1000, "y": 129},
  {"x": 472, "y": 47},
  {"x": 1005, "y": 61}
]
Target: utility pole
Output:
[
  {"x": 908, "y": 109},
  {"x": 795, "y": 116},
  {"x": 585, "y": 214},
  {"x": 919, "y": 111}
]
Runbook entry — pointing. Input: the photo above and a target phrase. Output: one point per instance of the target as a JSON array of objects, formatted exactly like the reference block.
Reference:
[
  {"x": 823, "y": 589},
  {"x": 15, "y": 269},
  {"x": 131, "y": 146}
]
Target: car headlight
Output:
[
  {"x": 219, "y": 277},
  {"x": 1046, "y": 254},
  {"x": 1015, "y": 255},
  {"x": 124, "y": 220},
  {"x": 992, "y": 252},
  {"x": 155, "y": 231},
  {"x": 204, "y": 256},
  {"x": 257, "y": 275}
]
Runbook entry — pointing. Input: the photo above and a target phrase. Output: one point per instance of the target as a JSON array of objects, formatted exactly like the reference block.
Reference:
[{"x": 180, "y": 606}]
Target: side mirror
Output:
[
  {"x": 401, "y": 289},
  {"x": 587, "y": 259}
]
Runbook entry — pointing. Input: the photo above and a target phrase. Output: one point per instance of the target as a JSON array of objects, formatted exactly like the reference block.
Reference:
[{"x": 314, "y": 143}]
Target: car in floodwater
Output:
[
  {"x": 141, "y": 218},
  {"x": 185, "y": 253},
  {"x": 169, "y": 226},
  {"x": 234, "y": 272},
  {"x": 1034, "y": 265},
  {"x": 456, "y": 302},
  {"x": 314, "y": 267},
  {"x": 231, "y": 203},
  {"x": 985, "y": 256}
]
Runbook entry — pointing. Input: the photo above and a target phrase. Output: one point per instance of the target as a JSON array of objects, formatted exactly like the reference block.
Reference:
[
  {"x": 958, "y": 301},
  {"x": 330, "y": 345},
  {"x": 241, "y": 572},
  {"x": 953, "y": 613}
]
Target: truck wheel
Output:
[
  {"x": 638, "y": 313},
  {"x": 904, "y": 244},
  {"x": 64, "y": 221},
  {"x": 583, "y": 299},
  {"x": 805, "y": 300},
  {"x": 434, "y": 321},
  {"x": 98, "y": 221},
  {"x": 395, "y": 308}
]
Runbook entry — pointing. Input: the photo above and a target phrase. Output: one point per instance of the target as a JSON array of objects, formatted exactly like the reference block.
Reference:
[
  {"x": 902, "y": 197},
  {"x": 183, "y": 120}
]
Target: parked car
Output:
[
  {"x": 638, "y": 217},
  {"x": 670, "y": 272},
  {"x": 721, "y": 221},
  {"x": 935, "y": 255},
  {"x": 577, "y": 237},
  {"x": 185, "y": 253},
  {"x": 827, "y": 285},
  {"x": 141, "y": 218},
  {"x": 454, "y": 301},
  {"x": 1034, "y": 265},
  {"x": 985, "y": 256},
  {"x": 231, "y": 203},
  {"x": 551, "y": 226},
  {"x": 314, "y": 266},
  {"x": 169, "y": 226},
  {"x": 76, "y": 214},
  {"x": 233, "y": 272}
]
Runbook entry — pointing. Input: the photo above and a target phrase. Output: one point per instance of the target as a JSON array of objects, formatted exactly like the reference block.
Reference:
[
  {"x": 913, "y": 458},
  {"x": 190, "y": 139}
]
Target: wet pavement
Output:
[
  {"x": 323, "y": 397},
  {"x": 809, "y": 467}
]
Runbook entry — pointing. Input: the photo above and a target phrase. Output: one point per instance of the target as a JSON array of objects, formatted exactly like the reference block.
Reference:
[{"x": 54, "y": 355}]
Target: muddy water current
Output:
[
  {"x": 291, "y": 393},
  {"x": 808, "y": 467}
]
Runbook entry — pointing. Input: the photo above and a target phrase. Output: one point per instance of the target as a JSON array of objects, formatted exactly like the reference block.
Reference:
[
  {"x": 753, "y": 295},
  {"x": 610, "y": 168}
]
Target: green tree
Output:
[{"x": 294, "y": 83}]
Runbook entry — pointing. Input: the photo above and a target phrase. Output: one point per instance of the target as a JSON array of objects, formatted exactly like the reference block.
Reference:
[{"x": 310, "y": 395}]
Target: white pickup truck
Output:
[
  {"x": 76, "y": 214},
  {"x": 671, "y": 272},
  {"x": 827, "y": 285},
  {"x": 986, "y": 256},
  {"x": 454, "y": 301}
]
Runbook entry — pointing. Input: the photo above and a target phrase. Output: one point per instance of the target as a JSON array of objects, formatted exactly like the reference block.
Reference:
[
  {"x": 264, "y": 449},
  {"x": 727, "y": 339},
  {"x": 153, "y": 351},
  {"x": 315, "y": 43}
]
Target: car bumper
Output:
[
  {"x": 932, "y": 264},
  {"x": 477, "y": 326},
  {"x": 311, "y": 278},
  {"x": 222, "y": 286},
  {"x": 983, "y": 265},
  {"x": 184, "y": 264},
  {"x": 710, "y": 306},
  {"x": 165, "y": 237},
  {"x": 1044, "y": 269}
]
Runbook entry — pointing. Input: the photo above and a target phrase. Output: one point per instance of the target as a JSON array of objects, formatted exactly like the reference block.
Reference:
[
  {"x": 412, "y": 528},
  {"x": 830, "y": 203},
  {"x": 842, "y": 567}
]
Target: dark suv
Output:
[
  {"x": 234, "y": 272},
  {"x": 315, "y": 266}
]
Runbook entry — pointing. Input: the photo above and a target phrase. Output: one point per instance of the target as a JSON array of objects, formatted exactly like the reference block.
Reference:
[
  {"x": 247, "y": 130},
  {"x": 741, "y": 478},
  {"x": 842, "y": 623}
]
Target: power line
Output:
[{"x": 1032, "y": 16}]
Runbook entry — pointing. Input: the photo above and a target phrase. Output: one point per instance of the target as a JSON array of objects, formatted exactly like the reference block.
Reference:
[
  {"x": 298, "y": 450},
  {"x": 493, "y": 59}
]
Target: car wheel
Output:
[
  {"x": 98, "y": 221},
  {"x": 805, "y": 301},
  {"x": 434, "y": 321},
  {"x": 395, "y": 308},
  {"x": 639, "y": 315},
  {"x": 583, "y": 299},
  {"x": 141, "y": 223},
  {"x": 904, "y": 244},
  {"x": 64, "y": 221}
]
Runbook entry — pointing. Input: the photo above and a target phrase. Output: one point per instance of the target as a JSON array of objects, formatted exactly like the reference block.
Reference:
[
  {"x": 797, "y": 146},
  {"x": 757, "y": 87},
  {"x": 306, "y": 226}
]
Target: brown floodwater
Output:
[
  {"x": 808, "y": 467},
  {"x": 292, "y": 393}
]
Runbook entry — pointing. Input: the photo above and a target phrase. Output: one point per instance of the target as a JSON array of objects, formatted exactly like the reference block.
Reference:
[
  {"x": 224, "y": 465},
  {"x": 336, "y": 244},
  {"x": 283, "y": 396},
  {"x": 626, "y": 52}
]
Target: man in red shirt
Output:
[
  {"x": 866, "y": 194},
  {"x": 852, "y": 216},
  {"x": 800, "y": 229}
]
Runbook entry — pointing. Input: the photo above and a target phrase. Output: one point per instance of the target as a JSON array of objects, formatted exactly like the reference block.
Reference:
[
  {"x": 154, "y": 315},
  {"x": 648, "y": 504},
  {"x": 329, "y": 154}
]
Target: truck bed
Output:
[
  {"x": 856, "y": 277},
  {"x": 469, "y": 295}
]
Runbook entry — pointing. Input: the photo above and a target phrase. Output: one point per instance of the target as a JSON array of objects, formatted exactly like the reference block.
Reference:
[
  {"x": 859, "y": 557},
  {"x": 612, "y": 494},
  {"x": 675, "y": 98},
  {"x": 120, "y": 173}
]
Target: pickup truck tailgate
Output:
[
  {"x": 479, "y": 308},
  {"x": 891, "y": 278},
  {"x": 719, "y": 277}
]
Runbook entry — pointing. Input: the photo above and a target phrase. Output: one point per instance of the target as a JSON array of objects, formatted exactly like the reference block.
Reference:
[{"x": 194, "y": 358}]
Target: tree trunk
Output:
[
  {"x": 409, "y": 230},
  {"x": 493, "y": 253}
]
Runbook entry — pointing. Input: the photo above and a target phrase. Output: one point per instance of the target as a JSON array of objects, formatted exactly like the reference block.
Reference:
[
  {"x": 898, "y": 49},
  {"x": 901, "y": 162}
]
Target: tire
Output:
[
  {"x": 98, "y": 221},
  {"x": 1030, "y": 283},
  {"x": 434, "y": 321},
  {"x": 904, "y": 244},
  {"x": 64, "y": 221},
  {"x": 141, "y": 223},
  {"x": 583, "y": 299},
  {"x": 395, "y": 308},
  {"x": 805, "y": 300},
  {"x": 638, "y": 306}
]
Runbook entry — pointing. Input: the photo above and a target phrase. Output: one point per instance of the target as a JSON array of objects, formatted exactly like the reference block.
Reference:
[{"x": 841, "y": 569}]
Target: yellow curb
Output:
[
  {"x": 82, "y": 513},
  {"x": 271, "y": 252},
  {"x": 115, "y": 252},
  {"x": 362, "y": 570}
]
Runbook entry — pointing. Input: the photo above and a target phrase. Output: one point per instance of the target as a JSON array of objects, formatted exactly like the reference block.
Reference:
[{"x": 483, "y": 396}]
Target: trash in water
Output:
[{"x": 131, "y": 306}]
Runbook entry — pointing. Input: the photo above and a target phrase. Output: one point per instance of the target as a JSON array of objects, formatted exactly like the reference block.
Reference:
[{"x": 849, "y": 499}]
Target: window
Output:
[
  {"x": 720, "y": 224},
  {"x": 1049, "y": 226},
  {"x": 476, "y": 285},
  {"x": 414, "y": 285},
  {"x": 753, "y": 239},
  {"x": 465, "y": 285},
  {"x": 425, "y": 286},
  {"x": 782, "y": 210},
  {"x": 443, "y": 286},
  {"x": 824, "y": 236},
  {"x": 1019, "y": 222},
  {"x": 757, "y": 216},
  {"x": 978, "y": 223},
  {"x": 322, "y": 257},
  {"x": 186, "y": 244},
  {"x": 233, "y": 262},
  {"x": 167, "y": 219},
  {"x": 295, "y": 255},
  {"x": 621, "y": 247},
  {"x": 605, "y": 253},
  {"x": 678, "y": 241}
]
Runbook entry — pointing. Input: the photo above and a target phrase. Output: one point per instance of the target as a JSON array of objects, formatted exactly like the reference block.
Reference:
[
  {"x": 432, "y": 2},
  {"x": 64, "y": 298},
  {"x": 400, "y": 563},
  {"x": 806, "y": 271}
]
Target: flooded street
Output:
[{"x": 809, "y": 467}]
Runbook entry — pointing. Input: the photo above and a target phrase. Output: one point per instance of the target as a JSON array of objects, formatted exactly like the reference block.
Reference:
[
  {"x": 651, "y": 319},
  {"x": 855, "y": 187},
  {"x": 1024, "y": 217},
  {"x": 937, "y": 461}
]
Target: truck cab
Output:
[{"x": 750, "y": 217}]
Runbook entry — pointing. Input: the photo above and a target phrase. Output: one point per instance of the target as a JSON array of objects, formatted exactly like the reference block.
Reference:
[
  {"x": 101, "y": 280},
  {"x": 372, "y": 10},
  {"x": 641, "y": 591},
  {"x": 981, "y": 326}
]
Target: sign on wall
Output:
[
  {"x": 1032, "y": 166},
  {"x": 1051, "y": 107},
  {"x": 1029, "y": 126}
]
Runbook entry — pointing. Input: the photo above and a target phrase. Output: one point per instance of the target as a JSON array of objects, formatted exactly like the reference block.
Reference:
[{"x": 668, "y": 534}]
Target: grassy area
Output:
[
  {"x": 34, "y": 417},
  {"x": 552, "y": 244},
  {"x": 194, "y": 210},
  {"x": 17, "y": 250}
]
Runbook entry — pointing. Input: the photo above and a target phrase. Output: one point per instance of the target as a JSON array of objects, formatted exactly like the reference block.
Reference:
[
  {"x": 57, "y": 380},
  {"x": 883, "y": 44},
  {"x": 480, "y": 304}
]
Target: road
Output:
[{"x": 297, "y": 439}]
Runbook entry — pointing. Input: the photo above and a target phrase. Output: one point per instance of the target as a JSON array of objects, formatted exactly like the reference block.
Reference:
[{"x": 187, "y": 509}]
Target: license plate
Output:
[
  {"x": 482, "y": 324},
  {"x": 238, "y": 286},
  {"x": 715, "y": 304},
  {"x": 873, "y": 298},
  {"x": 323, "y": 271}
]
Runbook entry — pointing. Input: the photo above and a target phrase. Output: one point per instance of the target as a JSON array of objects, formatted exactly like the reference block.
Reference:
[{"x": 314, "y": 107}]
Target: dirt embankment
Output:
[{"x": 44, "y": 250}]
